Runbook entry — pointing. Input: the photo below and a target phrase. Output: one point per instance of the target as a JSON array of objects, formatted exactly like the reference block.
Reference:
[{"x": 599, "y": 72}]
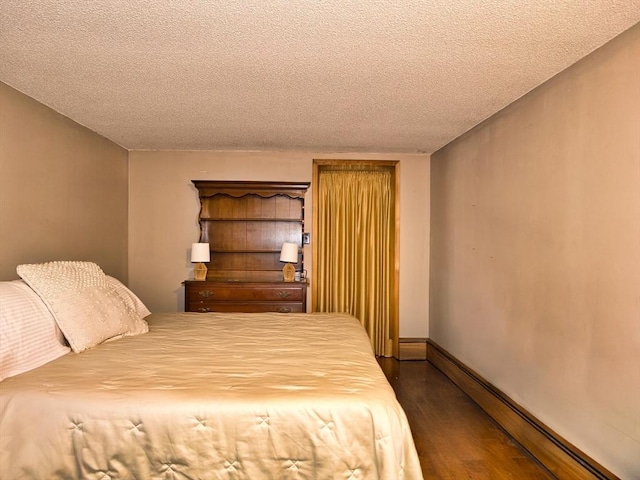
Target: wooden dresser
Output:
[
  {"x": 216, "y": 296},
  {"x": 245, "y": 224}
]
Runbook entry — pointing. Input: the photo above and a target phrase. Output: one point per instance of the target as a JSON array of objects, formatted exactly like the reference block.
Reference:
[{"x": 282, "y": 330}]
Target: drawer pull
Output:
[
  {"x": 204, "y": 309},
  {"x": 283, "y": 294},
  {"x": 205, "y": 293},
  {"x": 284, "y": 310}
]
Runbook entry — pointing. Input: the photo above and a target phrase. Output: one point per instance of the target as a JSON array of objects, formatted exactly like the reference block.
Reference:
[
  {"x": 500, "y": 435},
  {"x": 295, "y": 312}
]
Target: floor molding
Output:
[
  {"x": 560, "y": 457},
  {"x": 412, "y": 349}
]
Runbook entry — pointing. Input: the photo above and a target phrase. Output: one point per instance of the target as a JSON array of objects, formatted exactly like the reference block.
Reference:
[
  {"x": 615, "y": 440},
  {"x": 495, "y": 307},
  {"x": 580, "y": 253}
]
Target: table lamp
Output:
[
  {"x": 289, "y": 254},
  {"x": 200, "y": 254}
]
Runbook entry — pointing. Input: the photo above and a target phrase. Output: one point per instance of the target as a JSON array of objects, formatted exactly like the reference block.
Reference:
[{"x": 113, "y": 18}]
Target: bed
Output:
[{"x": 190, "y": 395}]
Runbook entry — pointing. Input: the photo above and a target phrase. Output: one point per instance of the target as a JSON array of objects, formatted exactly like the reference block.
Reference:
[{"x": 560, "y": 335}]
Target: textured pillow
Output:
[
  {"x": 86, "y": 307},
  {"x": 29, "y": 336},
  {"x": 129, "y": 298}
]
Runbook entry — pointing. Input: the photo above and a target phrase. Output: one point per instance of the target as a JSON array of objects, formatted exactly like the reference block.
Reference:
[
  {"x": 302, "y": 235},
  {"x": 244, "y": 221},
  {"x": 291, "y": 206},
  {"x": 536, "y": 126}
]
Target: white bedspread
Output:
[{"x": 211, "y": 396}]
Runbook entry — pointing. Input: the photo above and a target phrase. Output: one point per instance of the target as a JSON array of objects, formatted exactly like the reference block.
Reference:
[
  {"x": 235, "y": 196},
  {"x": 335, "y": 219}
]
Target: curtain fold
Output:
[{"x": 355, "y": 249}]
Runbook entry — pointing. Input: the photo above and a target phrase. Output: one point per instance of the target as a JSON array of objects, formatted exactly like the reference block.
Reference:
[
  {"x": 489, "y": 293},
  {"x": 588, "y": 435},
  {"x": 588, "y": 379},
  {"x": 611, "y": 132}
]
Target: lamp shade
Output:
[
  {"x": 289, "y": 253},
  {"x": 200, "y": 252}
]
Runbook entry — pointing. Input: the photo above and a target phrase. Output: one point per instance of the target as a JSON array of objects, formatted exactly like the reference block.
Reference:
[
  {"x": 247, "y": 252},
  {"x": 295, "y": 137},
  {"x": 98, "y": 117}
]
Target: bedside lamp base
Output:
[
  {"x": 289, "y": 272},
  {"x": 200, "y": 271}
]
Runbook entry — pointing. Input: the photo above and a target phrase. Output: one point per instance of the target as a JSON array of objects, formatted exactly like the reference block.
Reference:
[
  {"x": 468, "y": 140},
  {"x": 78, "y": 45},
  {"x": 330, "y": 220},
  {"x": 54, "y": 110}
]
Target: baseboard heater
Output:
[{"x": 559, "y": 456}]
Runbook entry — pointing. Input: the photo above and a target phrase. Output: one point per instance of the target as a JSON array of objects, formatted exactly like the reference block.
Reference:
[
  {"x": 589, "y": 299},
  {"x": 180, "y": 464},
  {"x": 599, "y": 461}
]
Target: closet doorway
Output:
[{"x": 355, "y": 243}]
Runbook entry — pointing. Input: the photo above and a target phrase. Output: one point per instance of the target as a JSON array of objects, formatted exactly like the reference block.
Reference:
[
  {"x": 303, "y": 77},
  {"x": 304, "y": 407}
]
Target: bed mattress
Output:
[{"x": 237, "y": 396}]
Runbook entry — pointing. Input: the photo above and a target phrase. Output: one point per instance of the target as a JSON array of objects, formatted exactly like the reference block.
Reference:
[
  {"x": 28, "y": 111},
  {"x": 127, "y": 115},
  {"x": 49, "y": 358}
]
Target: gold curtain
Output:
[{"x": 355, "y": 254}]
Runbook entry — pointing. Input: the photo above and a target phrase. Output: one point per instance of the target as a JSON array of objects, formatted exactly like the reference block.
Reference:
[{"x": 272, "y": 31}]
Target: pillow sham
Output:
[
  {"x": 129, "y": 298},
  {"x": 29, "y": 335},
  {"x": 86, "y": 307}
]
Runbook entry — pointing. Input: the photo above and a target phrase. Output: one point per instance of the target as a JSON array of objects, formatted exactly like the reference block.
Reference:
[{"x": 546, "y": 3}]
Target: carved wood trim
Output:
[{"x": 209, "y": 188}]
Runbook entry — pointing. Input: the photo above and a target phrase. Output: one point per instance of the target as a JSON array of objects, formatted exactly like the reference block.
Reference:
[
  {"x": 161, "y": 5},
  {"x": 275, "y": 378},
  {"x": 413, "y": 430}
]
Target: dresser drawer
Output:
[
  {"x": 249, "y": 307},
  {"x": 239, "y": 293},
  {"x": 214, "y": 296}
]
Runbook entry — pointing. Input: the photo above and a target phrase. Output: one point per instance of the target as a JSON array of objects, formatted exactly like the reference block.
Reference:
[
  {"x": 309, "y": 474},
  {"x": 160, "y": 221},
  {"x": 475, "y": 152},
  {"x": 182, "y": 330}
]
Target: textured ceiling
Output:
[{"x": 332, "y": 75}]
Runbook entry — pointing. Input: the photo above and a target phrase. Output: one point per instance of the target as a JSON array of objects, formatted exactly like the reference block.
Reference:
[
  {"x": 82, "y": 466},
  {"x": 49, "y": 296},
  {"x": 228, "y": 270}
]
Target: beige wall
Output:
[
  {"x": 164, "y": 212},
  {"x": 63, "y": 190},
  {"x": 535, "y": 252}
]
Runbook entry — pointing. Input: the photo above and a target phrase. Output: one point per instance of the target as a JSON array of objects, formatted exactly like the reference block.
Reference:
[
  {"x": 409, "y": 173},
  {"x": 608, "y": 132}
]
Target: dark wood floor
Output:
[{"x": 455, "y": 439}]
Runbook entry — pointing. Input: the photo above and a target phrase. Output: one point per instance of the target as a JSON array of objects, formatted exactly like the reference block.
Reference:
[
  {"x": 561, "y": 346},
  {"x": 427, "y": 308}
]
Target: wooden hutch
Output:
[{"x": 245, "y": 224}]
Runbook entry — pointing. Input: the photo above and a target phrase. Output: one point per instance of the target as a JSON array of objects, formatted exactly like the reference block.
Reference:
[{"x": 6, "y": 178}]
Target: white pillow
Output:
[
  {"x": 86, "y": 307},
  {"x": 128, "y": 297},
  {"x": 29, "y": 336}
]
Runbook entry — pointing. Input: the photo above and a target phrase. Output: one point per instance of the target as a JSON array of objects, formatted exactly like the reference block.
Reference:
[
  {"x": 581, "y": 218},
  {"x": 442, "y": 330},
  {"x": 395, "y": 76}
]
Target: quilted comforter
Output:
[{"x": 219, "y": 396}]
